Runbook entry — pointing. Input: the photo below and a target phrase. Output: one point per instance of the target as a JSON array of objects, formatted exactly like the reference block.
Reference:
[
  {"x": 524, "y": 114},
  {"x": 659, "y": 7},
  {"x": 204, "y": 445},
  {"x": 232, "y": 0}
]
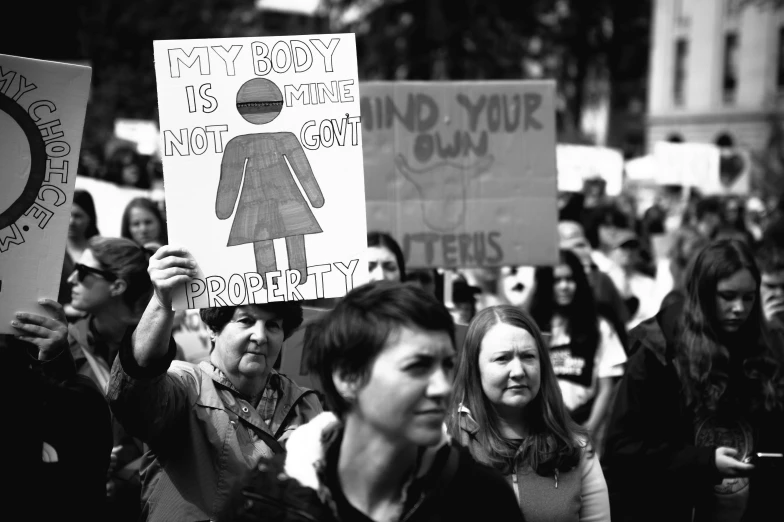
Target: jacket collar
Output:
[
  {"x": 307, "y": 448},
  {"x": 467, "y": 422}
]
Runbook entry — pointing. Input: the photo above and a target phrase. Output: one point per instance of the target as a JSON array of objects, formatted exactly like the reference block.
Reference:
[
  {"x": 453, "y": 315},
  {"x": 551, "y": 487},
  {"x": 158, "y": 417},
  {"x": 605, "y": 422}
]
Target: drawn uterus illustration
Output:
[{"x": 443, "y": 188}]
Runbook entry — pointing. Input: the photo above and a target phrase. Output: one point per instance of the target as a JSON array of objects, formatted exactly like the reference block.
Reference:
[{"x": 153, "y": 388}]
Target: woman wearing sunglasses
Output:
[{"x": 111, "y": 286}]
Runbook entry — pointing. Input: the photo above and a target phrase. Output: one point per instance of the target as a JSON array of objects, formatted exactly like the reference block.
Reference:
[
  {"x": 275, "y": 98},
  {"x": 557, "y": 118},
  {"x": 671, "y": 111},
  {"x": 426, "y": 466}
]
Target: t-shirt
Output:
[{"x": 608, "y": 362}]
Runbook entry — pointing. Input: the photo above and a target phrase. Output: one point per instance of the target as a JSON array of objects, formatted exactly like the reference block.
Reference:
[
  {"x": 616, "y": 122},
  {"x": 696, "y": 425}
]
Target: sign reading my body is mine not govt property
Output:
[
  {"x": 42, "y": 106},
  {"x": 463, "y": 174},
  {"x": 262, "y": 162}
]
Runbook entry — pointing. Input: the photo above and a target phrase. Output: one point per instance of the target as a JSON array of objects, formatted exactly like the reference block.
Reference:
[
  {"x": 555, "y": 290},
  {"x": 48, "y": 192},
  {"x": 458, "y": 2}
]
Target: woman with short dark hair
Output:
[
  {"x": 205, "y": 425},
  {"x": 384, "y": 358},
  {"x": 703, "y": 392},
  {"x": 507, "y": 409}
]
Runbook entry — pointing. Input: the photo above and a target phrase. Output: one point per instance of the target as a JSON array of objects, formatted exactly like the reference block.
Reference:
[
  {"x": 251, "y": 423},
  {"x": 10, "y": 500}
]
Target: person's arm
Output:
[
  {"x": 146, "y": 396},
  {"x": 601, "y": 403},
  {"x": 595, "y": 501},
  {"x": 610, "y": 358},
  {"x": 169, "y": 268}
]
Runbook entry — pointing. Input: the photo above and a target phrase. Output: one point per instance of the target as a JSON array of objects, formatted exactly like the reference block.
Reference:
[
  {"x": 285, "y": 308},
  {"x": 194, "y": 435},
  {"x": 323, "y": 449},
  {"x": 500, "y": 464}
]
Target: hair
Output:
[
  {"x": 709, "y": 360},
  {"x": 86, "y": 203},
  {"x": 582, "y": 316},
  {"x": 128, "y": 261},
  {"x": 289, "y": 311},
  {"x": 770, "y": 257},
  {"x": 382, "y": 239},
  {"x": 709, "y": 205},
  {"x": 554, "y": 441},
  {"x": 146, "y": 204},
  {"x": 347, "y": 339}
]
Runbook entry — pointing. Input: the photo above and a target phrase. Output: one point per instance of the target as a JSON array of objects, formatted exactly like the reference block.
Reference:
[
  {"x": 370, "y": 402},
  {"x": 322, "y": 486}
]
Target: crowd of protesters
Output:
[{"x": 635, "y": 379}]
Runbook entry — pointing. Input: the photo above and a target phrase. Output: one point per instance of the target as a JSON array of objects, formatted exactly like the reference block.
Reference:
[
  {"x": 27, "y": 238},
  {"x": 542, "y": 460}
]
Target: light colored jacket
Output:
[{"x": 202, "y": 433}]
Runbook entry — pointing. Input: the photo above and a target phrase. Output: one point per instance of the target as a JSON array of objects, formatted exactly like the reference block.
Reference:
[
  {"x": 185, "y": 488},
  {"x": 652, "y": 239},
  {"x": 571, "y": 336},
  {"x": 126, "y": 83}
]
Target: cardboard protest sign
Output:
[
  {"x": 462, "y": 174},
  {"x": 703, "y": 166},
  {"x": 262, "y": 162},
  {"x": 42, "y": 106},
  {"x": 142, "y": 133},
  {"x": 578, "y": 163}
]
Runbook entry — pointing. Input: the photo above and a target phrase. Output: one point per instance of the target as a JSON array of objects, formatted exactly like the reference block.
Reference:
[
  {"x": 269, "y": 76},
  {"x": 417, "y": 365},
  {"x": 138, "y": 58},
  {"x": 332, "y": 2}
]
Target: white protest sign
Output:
[
  {"x": 42, "y": 107},
  {"x": 144, "y": 133},
  {"x": 262, "y": 160},
  {"x": 688, "y": 164},
  {"x": 578, "y": 163}
]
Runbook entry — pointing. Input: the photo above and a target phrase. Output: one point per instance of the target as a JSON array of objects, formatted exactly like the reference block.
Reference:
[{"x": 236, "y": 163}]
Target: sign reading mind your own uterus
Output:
[
  {"x": 262, "y": 160},
  {"x": 463, "y": 174}
]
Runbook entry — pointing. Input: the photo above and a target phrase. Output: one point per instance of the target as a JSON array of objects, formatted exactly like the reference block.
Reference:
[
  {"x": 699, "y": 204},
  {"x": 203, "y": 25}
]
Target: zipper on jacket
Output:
[{"x": 556, "y": 479}]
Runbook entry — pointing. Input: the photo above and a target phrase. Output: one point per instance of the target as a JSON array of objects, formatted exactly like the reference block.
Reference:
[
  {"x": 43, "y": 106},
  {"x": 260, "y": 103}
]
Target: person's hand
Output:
[
  {"x": 772, "y": 306},
  {"x": 48, "y": 334},
  {"x": 170, "y": 266},
  {"x": 728, "y": 465}
]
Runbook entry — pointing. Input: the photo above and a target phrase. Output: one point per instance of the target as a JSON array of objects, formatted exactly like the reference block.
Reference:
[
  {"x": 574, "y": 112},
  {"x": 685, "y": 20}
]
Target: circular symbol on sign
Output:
[
  {"x": 259, "y": 101},
  {"x": 35, "y": 178}
]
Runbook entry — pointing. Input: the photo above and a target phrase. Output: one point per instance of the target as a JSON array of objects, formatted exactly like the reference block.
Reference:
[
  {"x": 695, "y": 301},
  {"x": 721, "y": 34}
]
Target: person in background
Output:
[
  {"x": 384, "y": 357},
  {"x": 385, "y": 258},
  {"x": 427, "y": 279},
  {"x": 142, "y": 222},
  {"x": 62, "y": 434},
  {"x": 608, "y": 299},
  {"x": 508, "y": 411},
  {"x": 734, "y": 218},
  {"x": 463, "y": 300},
  {"x": 701, "y": 393},
  {"x": 204, "y": 425},
  {"x": 82, "y": 226},
  {"x": 770, "y": 260},
  {"x": 637, "y": 289},
  {"x": 586, "y": 354},
  {"x": 756, "y": 215},
  {"x": 708, "y": 216}
]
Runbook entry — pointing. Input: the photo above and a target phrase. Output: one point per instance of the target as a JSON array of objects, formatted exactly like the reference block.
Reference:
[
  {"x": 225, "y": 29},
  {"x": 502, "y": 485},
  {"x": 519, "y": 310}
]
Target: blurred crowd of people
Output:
[{"x": 636, "y": 378}]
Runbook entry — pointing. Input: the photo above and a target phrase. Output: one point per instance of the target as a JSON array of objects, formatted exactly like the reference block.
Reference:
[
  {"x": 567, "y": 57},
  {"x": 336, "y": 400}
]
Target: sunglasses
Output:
[{"x": 83, "y": 270}]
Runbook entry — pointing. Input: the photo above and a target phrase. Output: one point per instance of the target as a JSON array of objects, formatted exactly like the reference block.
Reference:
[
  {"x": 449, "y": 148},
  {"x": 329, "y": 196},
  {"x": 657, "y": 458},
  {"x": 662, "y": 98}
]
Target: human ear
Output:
[
  {"x": 346, "y": 386},
  {"x": 118, "y": 287}
]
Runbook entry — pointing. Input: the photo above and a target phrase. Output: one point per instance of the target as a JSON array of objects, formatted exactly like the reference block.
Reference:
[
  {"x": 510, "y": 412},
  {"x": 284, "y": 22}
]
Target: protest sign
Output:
[
  {"x": 462, "y": 174},
  {"x": 699, "y": 165},
  {"x": 578, "y": 163},
  {"x": 269, "y": 126},
  {"x": 42, "y": 106},
  {"x": 143, "y": 133}
]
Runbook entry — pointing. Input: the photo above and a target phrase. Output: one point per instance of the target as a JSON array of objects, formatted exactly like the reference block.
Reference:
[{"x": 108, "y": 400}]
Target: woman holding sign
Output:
[{"x": 205, "y": 425}]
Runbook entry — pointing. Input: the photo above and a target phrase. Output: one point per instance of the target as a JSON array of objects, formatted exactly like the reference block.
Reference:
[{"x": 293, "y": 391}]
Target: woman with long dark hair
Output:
[
  {"x": 385, "y": 258},
  {"x": 509, "y": 413},
  {"x": 143, "y": 222},
  {"x": 703, "y": 392},
  {"x": 586, "y": 353}
]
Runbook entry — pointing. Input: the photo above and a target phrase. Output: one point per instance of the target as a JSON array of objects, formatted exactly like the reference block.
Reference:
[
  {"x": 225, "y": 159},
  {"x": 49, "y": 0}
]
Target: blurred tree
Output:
[{"x": 582, "y": 44}]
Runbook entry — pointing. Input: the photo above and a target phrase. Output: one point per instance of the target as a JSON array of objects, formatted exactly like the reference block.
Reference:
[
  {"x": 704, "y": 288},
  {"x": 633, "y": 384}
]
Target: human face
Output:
[
  {"x": 93, "y": 292},
  {"x": 77, "y": 227},
  {"x": 564, "y": 285},
  {"x": 144, "y": 226},
  {"x": 772, "y": 293},
  {"x": 382, "y": 264},
  {"x": 581, "y": 248},
  {"x": 509, "y": 367},
  {"x": 248, "y": 345},
  {"x": 735, "y": 298},
  {"x": 406, "y": 395}
]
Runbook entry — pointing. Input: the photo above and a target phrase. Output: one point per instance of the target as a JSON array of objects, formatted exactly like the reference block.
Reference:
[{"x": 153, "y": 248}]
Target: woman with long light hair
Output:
[{"x": 508, "y": 411}]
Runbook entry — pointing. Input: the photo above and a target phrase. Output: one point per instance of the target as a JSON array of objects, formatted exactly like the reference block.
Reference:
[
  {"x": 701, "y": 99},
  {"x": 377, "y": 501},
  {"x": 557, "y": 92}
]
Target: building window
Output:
[
  {"x": 730, "y": 79},
  {"x": 780, "y": 68},
  {"x": 679, "y": 73}
]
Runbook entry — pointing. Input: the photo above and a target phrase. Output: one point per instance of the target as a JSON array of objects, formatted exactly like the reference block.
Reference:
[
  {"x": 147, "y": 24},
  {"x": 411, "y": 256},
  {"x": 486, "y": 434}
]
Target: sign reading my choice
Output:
[
  {"x": 262, "y": 161},
  {"x": 42, "y": 106},
  {"x": 463, "y": 173}
]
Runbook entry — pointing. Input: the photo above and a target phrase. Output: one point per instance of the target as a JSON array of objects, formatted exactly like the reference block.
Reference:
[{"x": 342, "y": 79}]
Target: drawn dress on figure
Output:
[{"x": 271, "y": 205}]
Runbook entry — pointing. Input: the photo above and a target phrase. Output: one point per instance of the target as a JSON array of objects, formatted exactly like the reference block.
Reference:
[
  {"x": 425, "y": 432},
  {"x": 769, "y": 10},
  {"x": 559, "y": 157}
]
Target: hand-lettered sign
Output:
[
  {"x": 578, "y": 163},
  {"x": 262, "y": 163},
  {"x": 42, "y": 106},
  {"x": 703, "y": 165},
  {"x": 462, "y": 173}
]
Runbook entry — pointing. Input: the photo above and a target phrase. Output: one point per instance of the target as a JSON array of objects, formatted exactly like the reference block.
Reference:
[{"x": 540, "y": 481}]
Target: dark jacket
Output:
[
  {"x": 653, "y": 468},
  {"x": 303, "y": 486}
]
